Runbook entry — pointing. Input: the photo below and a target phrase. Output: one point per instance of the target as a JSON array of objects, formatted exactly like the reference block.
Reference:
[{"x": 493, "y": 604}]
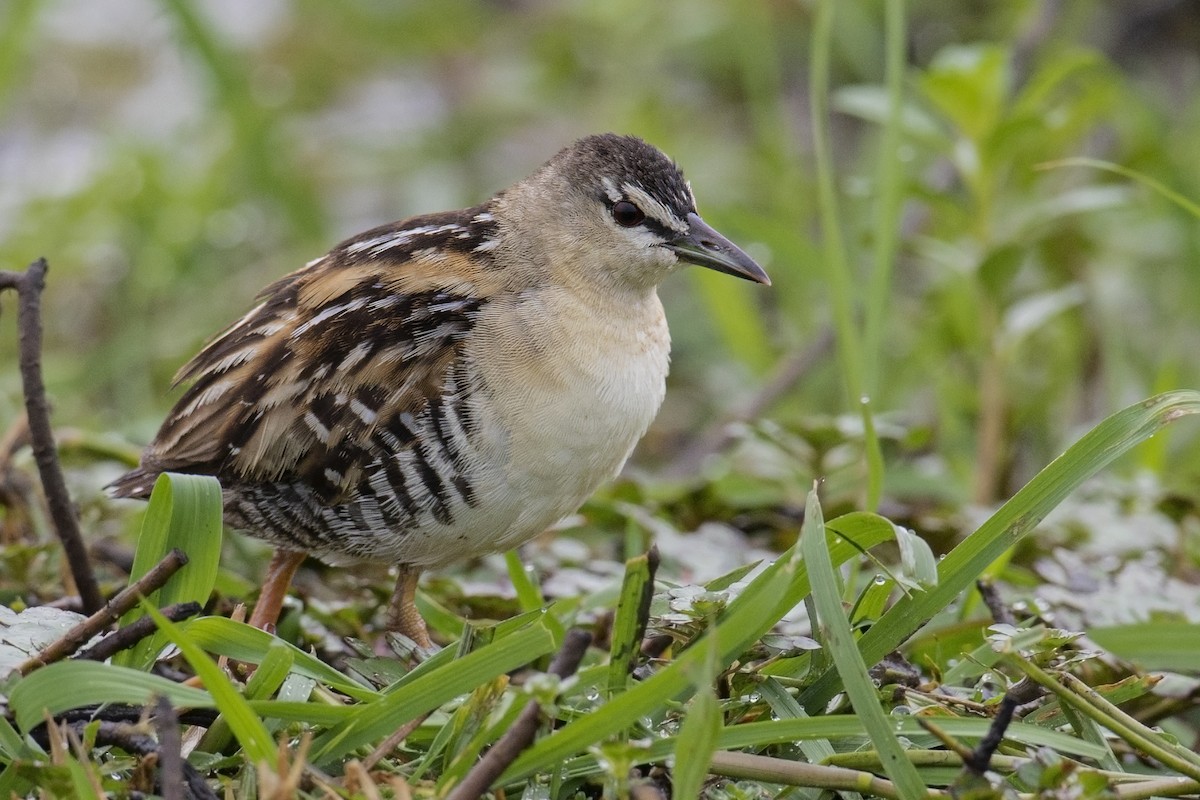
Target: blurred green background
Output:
[{"x": 170, "y": 158}]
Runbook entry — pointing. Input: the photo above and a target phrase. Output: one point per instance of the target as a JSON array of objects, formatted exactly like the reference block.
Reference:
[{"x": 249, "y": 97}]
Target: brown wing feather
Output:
[{"x": 293, "y": 391}]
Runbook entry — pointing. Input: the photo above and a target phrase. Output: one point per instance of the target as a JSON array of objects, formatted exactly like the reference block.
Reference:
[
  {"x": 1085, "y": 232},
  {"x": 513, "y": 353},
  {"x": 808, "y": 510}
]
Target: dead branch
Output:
[
  {"x": 124, "y": 600},
  {"x": 29, "y": 286},
  {"x": 521, "y": 734}
]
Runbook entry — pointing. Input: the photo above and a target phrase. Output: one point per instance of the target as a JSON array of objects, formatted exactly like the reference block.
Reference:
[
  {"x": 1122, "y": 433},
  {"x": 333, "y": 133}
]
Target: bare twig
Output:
[
  {"x": 109, "y": 613},
  {"x": 964, "y": 753},
  {"x": 134, "y": 632},
  {"x": 133, "y": 740},
  {"x": 981, "y": 756},
  {"x": 393, "y": 741},
  {"x": 29, "y": 287},
  {"x": 521, "y": 734},
  {"x": 170, "y": 758},
  {"x": 979, "y": 760},
  {"x": 123, "y": 712},
  {"x": 991, "y": 598},
  {"x": 718, "y": 436}
]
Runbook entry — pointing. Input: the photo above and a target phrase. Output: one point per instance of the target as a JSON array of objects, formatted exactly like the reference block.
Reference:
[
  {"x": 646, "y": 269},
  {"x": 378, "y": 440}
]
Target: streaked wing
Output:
[{"x": 300, "y": 389}]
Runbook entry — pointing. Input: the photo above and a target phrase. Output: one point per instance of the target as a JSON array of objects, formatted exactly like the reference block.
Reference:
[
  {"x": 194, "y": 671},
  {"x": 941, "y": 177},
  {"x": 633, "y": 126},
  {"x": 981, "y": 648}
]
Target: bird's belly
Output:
[{"x": 547, "y": 420}]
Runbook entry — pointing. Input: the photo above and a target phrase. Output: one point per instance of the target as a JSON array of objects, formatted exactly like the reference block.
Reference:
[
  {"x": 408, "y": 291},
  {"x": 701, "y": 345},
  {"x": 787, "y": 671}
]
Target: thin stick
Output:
[
  {"x": 521, "y": 734},
  {"x": 393, "y": 741},
  {"x": 109, "y": 613},
  {"x": 134, "y": 741},
  {"x": 62, "y": 512},
  {"x": 991, "y": 598},
  {"x": 134, "y": 632},
  {"x": 170, "y": 759}
]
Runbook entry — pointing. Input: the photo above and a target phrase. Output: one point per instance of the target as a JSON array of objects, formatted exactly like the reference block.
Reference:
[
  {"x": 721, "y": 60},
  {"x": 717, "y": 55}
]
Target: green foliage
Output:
[
  {"x": 185, "y": 514},
  {"x": 995, "y": 209}
]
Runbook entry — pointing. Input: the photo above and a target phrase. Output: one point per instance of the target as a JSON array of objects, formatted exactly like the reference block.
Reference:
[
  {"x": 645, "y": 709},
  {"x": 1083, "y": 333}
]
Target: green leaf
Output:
[
  {"x": 243, "y": 642},
  {"x": 184, "y": 513},
  {"x": 839, "y": 639},
  {"x": 629, "y": 625},
  {"x": 1015, "y": 520},
  {"x": 1154, "y": 645},
  {"x": 73, "y": 684},
  {"x": 246, "y": 725},
  {"x": 916, "y": 558},
  {"x": 970, "y": 85},
  {"x": 376, "y": 719},
  {"x": 772, "y": 593}
]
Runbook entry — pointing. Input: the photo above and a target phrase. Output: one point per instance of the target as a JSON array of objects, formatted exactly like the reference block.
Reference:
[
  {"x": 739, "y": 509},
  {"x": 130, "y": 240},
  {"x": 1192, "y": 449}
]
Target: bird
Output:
[{"x": 449, "y": 385}]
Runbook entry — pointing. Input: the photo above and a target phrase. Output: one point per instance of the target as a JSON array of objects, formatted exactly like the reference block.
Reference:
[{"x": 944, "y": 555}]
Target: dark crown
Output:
[{"x": 626, "y": 160}]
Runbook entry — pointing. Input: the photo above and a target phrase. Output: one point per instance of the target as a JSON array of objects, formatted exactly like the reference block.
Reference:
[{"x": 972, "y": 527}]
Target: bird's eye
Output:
[{"x": 627, "y": 214}]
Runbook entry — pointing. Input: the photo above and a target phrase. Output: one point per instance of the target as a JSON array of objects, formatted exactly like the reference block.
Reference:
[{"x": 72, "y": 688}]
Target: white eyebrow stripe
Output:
[
  {"x": 652, "y": 208},
  {"x": 610, "y": 189}
]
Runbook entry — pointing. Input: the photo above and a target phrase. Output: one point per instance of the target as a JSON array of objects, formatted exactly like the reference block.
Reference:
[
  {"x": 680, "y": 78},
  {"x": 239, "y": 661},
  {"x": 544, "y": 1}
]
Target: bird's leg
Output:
[
  {"x": 280, "y": 571},
  {"x": 402, "y": 615}
]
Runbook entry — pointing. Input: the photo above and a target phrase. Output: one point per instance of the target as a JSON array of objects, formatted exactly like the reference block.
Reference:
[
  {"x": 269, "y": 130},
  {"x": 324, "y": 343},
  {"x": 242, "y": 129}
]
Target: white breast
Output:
[
  {"x": 562, "y": 390},
  {"x": 569, "y": 387}
]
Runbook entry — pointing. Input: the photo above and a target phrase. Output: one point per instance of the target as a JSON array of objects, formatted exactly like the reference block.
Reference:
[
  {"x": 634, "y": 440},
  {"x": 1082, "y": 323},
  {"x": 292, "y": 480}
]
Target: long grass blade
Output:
[
  {"x": 839, "y": 640},
  {"x": 1015, "y": 520}
]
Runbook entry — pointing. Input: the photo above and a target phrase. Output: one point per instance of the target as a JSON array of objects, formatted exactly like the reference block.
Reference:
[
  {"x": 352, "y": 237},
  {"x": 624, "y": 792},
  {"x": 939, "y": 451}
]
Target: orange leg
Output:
[
  {"x": 280, "y": 571},
  {"x": 403, "y": 616}
]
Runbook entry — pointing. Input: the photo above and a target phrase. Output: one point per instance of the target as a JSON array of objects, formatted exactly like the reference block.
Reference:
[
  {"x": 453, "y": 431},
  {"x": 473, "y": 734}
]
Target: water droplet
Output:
[{"x": 880, "y": 580}]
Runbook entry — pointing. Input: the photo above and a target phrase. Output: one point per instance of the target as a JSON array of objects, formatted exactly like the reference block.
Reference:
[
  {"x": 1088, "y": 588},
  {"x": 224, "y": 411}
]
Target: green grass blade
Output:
[
  {"x": 74, "y": 684},
  {"x": 785, "y": 706},
  {"x": 1161, "y": 646},
  {"x": 771, "y": 594},
  {"x": 1188, "y": 205},
  {"x": 312, "y": 714},
  {"x": 240, "y": 641},
  {"x": 246, "y": 725},
  {"x": 529, "y": 594},
  {"x": 12, "y": 746},
  {"x": 629, "y": 623},
  {"x": 849, "y": 728},
  {"x": 698, "y": 737},
  {"x": 271, "y": 672},
  {"x": 1015, "y": 520},
  {"x": 839, "y": 640},
  {"x": 83, "y": 780},
  {"x": 375, "y": 720},
  {"x": 839, "y": 275},
  {"x": 185, "y": 513},
  {"x": 889, "y": 181}
]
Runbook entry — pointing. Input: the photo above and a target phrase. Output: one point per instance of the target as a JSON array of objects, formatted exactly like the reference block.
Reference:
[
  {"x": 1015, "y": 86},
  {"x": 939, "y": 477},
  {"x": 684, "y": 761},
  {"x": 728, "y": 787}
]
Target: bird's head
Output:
[{"x": 618, "y": 207}]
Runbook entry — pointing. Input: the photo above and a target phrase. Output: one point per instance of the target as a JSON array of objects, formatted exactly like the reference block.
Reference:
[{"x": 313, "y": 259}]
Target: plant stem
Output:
[
  {"x": 798, "y": 773},
  {"x": 1149, "y": 743}
]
